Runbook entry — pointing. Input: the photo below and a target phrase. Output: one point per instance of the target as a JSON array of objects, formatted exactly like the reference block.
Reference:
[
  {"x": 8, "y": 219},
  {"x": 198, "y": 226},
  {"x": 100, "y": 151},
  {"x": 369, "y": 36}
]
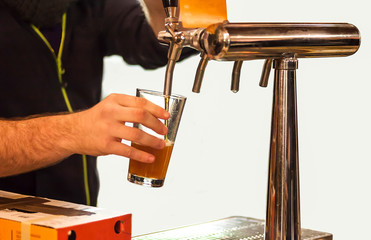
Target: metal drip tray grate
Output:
[{"x": 232, "y": 228}]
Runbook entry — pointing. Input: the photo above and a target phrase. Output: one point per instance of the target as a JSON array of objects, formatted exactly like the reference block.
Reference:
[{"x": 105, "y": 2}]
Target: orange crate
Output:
[{"x": 25, "y": 217}]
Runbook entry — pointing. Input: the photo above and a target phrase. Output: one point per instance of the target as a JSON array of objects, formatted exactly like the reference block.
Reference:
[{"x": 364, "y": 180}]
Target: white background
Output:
[{"x": 220, "y": 160}]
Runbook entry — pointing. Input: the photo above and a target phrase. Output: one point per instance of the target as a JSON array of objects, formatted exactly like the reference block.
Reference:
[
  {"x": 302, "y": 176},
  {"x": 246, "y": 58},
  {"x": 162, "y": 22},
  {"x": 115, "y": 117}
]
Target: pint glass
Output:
[{"x": 153, "y": 174}]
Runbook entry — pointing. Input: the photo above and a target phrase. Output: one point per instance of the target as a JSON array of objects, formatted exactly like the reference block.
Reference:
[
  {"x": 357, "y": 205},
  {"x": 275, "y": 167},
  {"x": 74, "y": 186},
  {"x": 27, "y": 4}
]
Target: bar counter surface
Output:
[{"x": 232, "y": 228}]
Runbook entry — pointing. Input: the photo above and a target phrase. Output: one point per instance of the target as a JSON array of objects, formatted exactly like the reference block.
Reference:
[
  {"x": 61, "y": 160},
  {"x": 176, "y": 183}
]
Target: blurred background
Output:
[{"x": 219, "y": 166}]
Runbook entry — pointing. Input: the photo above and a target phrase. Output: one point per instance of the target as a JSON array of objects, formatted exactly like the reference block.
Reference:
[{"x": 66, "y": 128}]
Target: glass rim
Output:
[{"x": 157, "y": 93}]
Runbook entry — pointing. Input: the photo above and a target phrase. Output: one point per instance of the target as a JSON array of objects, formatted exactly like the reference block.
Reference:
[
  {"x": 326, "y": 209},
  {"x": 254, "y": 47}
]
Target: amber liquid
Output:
[
  {"x": 196, "y": 13},
  {"x": 155, "y": 170}
]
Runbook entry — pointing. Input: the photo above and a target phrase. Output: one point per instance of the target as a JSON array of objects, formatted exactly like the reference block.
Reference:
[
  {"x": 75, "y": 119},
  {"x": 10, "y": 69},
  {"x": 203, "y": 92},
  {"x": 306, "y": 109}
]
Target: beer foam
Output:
[{"x": 168, "y": 143}]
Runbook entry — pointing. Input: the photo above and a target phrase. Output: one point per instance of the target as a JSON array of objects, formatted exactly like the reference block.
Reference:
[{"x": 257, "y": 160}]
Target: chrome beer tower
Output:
[{"x": 280, "y": 44}]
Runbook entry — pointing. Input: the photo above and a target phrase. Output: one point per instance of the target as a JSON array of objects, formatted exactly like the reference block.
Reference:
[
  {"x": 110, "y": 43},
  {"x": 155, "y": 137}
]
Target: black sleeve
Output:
[{"x": 127, "y": 33}]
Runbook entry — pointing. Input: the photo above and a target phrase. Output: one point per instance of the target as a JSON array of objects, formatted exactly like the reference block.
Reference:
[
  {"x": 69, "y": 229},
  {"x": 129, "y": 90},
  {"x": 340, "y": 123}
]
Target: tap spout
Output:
[
  {"x": 265, "y": 73},
  {"x": 173, "y": 56},
  {"x": 200, "y": 73},
  {"x": 235, "y": 86}
]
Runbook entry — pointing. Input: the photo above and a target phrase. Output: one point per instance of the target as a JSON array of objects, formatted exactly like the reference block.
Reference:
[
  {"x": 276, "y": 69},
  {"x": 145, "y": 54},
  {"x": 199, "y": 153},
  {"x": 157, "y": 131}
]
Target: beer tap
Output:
[
  {"x": 265, "y": 73},
  {"x": 177, "y": 37},
  {"x": 280, "y": 45},
  {"x": 175, "y": 49},
  {"x": 200, "y": 73},
  {"x": 236, "y": 73}
]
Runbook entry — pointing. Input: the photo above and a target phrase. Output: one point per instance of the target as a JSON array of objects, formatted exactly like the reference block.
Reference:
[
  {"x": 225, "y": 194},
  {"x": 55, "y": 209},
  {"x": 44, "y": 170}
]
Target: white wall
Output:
[{"x": 220, "y": 161}]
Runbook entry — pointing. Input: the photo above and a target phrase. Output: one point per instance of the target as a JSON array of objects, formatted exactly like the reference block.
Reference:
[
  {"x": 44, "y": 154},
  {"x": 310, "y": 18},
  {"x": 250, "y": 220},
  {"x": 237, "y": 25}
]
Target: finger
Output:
[
  {"x": 137, "y": 115},
  {"x": 121, "y": 149},
  {"x": 137, "y": 102},
  {"x": 138, "y": 136}
]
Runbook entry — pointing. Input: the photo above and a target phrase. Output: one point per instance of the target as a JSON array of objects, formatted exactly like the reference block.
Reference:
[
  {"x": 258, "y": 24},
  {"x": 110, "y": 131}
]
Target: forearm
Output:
[
  {"x": 34, "y": 143},
  {"x": 155, "y": 14}
]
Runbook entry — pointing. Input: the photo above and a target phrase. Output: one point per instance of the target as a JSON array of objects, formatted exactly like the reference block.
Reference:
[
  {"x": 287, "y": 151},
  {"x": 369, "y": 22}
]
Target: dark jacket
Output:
[{"x": 29, "y": 80}]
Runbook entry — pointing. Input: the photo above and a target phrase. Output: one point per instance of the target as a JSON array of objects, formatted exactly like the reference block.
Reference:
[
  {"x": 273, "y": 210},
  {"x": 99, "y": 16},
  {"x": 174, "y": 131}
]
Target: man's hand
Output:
[
  {"x": 103, "y": 127},
  {"x": 41, "y": 141}
]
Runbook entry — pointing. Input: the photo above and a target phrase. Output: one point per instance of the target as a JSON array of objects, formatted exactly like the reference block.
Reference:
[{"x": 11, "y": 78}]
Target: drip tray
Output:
[{"x": 232, "y": 228}]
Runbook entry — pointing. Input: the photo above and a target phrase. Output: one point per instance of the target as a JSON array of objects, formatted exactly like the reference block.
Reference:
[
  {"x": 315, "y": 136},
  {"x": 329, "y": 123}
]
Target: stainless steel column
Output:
[{"x": 283, "y": 201}]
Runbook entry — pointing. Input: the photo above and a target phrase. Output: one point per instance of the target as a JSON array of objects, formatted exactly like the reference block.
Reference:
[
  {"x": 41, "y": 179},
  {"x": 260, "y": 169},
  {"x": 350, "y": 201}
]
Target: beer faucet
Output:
[
  {"x": 280, "y": 45},
  {"x": 175, "y": 49},
  {"x": 176, "y": 37}
]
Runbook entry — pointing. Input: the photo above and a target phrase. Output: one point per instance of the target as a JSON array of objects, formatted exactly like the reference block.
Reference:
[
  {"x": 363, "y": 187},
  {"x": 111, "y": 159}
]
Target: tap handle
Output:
[
  {"x": 170, "y": 3},
  {"x": 265, "y": 73},
  {"x": 171, "y": 7},
  {"x": 235, "y": 86},
  {"x": 200, "y": 73}
]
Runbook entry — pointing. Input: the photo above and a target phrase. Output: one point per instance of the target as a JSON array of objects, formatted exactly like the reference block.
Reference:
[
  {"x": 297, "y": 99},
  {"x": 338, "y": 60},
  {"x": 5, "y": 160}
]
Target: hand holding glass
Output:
[{"x": 153, "y": 174}]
